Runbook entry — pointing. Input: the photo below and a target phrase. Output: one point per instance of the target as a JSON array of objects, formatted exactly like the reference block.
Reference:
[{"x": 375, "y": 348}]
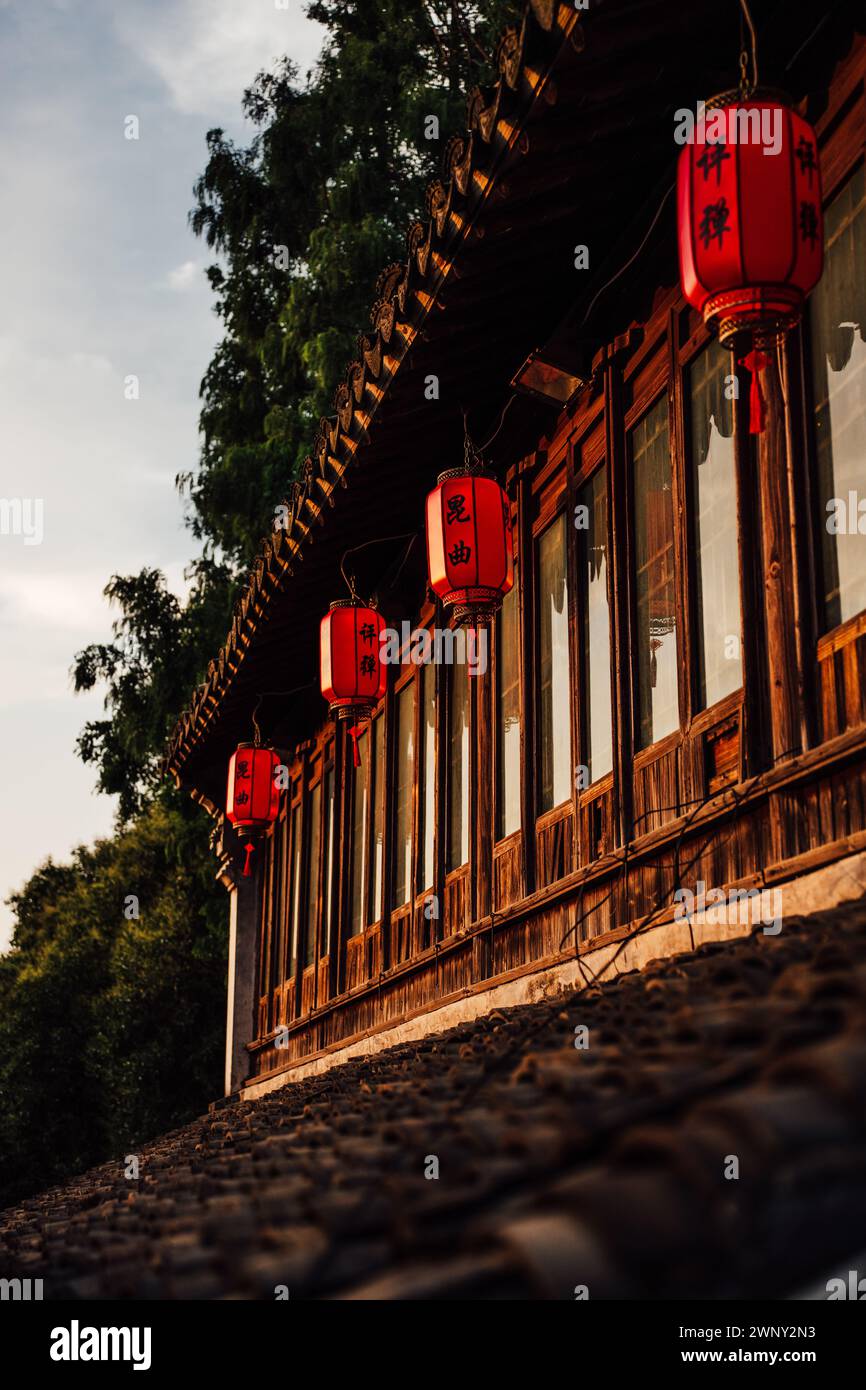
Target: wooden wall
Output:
[{"x": 766, "y": 782}]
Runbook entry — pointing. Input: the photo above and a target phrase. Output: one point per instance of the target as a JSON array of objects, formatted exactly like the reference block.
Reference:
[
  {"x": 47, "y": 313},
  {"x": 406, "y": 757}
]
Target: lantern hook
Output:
[
  {"x": 748, "y": 86},
  {"x": 257, "y": 733},
  {"x": 379, "y": 540},
  {"x": 472, "y": 460}
]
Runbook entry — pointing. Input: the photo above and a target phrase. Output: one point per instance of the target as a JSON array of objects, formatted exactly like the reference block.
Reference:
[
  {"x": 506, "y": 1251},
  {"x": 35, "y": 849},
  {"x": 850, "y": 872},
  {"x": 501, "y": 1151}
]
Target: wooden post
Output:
[
  {"x": 787, "y": 713},
  {"x": 244, "y": 897},
  {"x": 619, "y": 551},
  {"x": 528, "y": 727},
  {"x": 481, "y": 779}
]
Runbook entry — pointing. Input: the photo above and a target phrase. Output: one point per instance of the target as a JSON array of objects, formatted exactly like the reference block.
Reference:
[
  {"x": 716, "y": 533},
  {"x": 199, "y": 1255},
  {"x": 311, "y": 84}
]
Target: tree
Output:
[
  {"x": 111, "y": 1024},
  {"x": 304, "y": 219},
  {"x": 155, "y": 659}
]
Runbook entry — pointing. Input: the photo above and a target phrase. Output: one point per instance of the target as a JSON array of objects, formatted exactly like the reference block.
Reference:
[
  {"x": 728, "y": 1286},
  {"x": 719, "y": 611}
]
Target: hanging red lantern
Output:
[
  {"x": 353, "y": 676},
  {"x": 252, "y": 796},
  {"x": 470, "y": 555},
  {"x": 751, "y": 235}
]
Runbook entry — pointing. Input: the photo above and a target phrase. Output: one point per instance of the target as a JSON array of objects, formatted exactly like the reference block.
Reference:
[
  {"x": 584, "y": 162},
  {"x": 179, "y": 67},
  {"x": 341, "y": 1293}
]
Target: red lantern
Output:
[
  {"x": 470, "y": 557},
  {"x": 252, "y": 796},
  {"x": 751, "y": 233},
  {"x": 353, "y": 675}
]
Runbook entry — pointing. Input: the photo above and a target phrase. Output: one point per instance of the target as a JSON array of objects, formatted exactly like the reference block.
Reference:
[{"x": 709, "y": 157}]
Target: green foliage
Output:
[
  {"x": 304, "y": 219},
  {"x": 150, "y": 668},
  {"x": 111, "y": 1030}
]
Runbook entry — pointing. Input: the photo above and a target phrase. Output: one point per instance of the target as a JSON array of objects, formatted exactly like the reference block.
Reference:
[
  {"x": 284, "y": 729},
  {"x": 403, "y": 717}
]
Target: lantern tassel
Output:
[
  {"x": 355, "y": 733},
  {"x": 756, "y": 362},
  {"x": 250, "y": 850}
]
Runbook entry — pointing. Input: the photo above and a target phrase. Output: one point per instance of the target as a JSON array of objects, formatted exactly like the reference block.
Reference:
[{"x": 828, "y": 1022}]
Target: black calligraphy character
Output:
[
  {"x": 809, "y": 223},
  {"x": 242, "y": 769},
  {"x": 367, "y": 632},
  {"x": 456, "y": 505},
  {"x": 460, "y": 554},
  {"x": 712, "y": 159},
  {"x": 714, "y": 222},
  {"x": 241, "y": 799},
  {"x": 805, "y": 152},
  {"x": 368, "y": 665}
]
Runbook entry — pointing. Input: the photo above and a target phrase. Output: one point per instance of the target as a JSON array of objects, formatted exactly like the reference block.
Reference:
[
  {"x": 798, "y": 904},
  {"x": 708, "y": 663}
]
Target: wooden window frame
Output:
[{"x": 400, "y": 915}]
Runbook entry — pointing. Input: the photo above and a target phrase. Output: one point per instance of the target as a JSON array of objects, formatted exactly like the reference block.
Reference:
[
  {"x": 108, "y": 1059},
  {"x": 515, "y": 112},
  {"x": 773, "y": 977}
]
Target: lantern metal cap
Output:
[
  {"x": 734, "y": 96},
  {"x": 768, "y": 313},
  {"x": 353, "y": 602},
  {"x": 356, "y": 712},
  {"x": 472, "y": 470}
]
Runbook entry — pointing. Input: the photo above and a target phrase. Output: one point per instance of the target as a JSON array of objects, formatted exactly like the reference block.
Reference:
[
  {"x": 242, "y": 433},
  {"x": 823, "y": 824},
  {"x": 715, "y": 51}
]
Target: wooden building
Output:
[{"x": 676, "y": 685}]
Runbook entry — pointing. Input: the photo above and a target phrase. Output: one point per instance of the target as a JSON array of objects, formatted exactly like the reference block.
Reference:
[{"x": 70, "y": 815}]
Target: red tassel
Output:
[
  {"x": 756, "y": 362},
  {"x": 250, "y": 849},
  {"x": 355, "y": 733}
]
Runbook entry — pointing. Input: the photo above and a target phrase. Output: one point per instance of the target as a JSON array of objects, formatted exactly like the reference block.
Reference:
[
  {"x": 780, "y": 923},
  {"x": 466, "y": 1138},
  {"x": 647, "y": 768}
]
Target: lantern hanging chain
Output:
[
  {"x": 408, "y": 551},
  {"x": 748, "y": 86},
  {"x": 631, "y": 260},
  {"x": 473, "y": 453},
  {"x": 257, "y": 733},
  {"x": 505, "y": 410},
  {"x": 379, "y": 540},
  {"x": 262, "y": 695}
]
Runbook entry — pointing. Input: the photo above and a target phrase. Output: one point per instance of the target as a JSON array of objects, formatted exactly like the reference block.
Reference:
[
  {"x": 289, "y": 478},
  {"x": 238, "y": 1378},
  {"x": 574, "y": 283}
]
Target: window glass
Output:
[
  {"x": 327, "y": 866},
  {"x": 281, "y": 905},
  {"x": 838, "y": 323},
  {"x": 458, "y": 767},
  {"x": 508, "y": 716},
  {"x": 715, "y": 536},
  {"x": 658, "y": 710},
  {"x": 405, "y": 775},
  {"x": 378, "y": 797},
  {"x": 266, "y": 942},
  {"x": 427, "y": 805},
  {"x": 360, "y": 811},
  {"x": 315, "y": 835},
  {"x": 297, "y": 859},
  {"x": 553, "y": 669},
  {"x": 597, "y": 709}
]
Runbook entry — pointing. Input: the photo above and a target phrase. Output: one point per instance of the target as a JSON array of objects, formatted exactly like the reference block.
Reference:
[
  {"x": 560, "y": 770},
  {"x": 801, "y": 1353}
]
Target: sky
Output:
[{"x": 102, "y": 281}]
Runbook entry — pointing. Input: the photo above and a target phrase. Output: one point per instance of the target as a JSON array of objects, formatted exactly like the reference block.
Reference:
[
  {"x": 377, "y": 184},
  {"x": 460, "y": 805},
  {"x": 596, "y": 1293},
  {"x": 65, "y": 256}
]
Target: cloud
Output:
[
  {"x": 207, "y": 52},
  {"x": 183, "y": 276}
]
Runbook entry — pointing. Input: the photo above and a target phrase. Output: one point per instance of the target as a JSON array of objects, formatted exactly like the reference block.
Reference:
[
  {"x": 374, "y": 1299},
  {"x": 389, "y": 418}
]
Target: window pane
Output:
[
  {"x": 508, "y": 717},
  {"x": 314, "y": 838},
  {"x": 658, "y": 711},
  {"x": 714, "y": 481},
  {"x": 360, "y": 811},
  {"x": 405, "y": 775},
  {"x": 597, "y": 710},
  {"x": 553, "y": 672},
  {"x": 296, "y": 888},
  {"x": 458, "y": 767},
  {"x": 328, "y": 877},
  {"x": 266, "y": 961},
  {"x": 838, "y": 322},
  {"x": 378, "y": 794},
  {"x": 281, "y": 909},
  {"x": 428, "y": 792}
]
